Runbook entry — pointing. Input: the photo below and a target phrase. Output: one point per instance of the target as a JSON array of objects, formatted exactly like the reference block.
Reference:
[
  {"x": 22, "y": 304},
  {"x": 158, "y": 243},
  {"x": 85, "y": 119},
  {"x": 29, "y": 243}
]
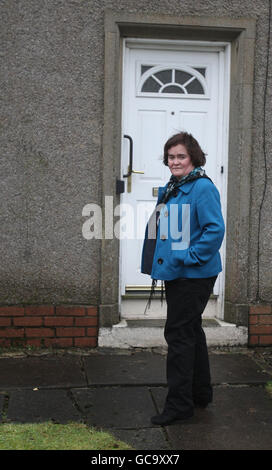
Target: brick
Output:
[
  {"x": 86, "y": 321},
  {"x": 11, "y": 310},
  {"x": 12, "y": 332},
  {"x": 261, "y": 329},
  {"x": 39, "y": 332},
  {"x": 41, "y": 310},
  {"x": 265, "y": 319},
  {"x": 70, "y": 310},
  {"x": 28, "y": 321},
  {"x": 259, "y": 309},
  {"x": 34, "y": 342},
  {"x": 253, "y": 319},
  {"x": 265, "y": 340},
  {"x": 18, "y": 343},
  {"x": 91, "y": 331},
  {"x": 253, "y": 340},
  {"x": 58, "y": 321},
  {"x": 85, "y": 342},
  {"x": 60, "y": 342},
  {"x": 5, "y": 343},
  {"x": 92, "y": 311},
  {"x": 5, "y": 321},
  {"x": 62, "y": 332}
]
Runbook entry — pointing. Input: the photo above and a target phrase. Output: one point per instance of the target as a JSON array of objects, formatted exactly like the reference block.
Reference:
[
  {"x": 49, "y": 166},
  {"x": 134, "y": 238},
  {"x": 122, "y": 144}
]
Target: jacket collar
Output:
[{"x": 185, "y": 188}]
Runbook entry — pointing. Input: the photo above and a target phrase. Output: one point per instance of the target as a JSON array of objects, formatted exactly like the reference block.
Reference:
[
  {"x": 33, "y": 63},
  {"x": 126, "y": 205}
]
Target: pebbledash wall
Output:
[{"x": 60, "y": 150}]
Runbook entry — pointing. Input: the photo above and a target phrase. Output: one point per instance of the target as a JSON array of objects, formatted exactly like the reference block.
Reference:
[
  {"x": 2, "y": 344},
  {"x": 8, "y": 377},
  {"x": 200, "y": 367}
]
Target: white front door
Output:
[{"x": 167, "y": 87}]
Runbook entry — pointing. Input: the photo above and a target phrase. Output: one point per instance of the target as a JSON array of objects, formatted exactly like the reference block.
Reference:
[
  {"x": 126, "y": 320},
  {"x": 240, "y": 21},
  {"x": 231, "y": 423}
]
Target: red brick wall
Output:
[
  {"x": 260, "y": 325},
  {"x": 49, "y": 326}
]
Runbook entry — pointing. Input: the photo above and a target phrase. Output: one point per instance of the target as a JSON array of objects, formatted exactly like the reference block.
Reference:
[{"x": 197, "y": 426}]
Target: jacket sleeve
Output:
[{"x": 212, "y": 228}]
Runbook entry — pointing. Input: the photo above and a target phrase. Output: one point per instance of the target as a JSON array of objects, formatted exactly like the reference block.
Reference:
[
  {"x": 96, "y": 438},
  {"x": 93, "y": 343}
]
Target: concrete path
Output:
[{"x": 119, "y": 390}]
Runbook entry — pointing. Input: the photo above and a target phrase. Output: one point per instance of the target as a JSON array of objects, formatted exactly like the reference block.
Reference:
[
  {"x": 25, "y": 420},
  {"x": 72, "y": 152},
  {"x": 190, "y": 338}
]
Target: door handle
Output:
[
  {"x": 130, "y": 165},
  {"x": 130, "y": 156}
]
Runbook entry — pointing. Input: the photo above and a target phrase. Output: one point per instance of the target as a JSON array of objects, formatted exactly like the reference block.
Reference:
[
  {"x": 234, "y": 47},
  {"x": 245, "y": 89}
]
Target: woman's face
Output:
[{"x": 179, "y": 161}]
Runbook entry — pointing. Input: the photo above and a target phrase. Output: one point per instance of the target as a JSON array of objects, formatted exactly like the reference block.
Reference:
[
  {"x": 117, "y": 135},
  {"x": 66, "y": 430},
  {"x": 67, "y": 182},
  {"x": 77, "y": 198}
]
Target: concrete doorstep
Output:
[{"x": 149, "y": 334}]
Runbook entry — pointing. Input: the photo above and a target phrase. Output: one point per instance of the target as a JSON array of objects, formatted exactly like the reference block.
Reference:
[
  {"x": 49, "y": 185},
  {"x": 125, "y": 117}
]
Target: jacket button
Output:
[{"x": 160, "y": 260}]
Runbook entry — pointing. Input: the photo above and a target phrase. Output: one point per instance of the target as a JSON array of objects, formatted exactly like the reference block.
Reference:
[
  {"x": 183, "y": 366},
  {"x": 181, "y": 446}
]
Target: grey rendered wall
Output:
[
  {"x": 52, "y": 120},
  {"x": 260, "y": 261}
]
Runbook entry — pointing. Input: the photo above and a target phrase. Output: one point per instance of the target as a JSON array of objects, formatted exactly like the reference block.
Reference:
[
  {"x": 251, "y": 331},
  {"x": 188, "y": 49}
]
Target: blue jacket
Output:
[{"x": 193, "y": 253}]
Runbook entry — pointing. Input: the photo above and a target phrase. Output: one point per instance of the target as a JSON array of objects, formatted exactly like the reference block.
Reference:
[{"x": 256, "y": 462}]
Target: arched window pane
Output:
[
  {"x": 195, "y": 88},
  {"x": 182, "y": 77},
  {"x": 150, "y": 85},
  {"x": 165, "y": 76},
  {"x": 172, "y": 89}
]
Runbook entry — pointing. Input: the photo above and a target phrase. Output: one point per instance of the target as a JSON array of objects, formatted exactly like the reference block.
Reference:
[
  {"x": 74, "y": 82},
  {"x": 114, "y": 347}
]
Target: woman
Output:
[{"x": 185, "y": 255}]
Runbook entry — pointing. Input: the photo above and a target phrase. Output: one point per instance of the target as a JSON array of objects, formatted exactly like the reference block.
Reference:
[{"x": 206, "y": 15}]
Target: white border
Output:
[{"x": 224, "y": 49}]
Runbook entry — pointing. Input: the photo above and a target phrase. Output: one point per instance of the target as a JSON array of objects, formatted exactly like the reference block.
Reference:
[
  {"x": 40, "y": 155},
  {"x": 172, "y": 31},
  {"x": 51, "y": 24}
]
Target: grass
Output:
[{"x": 51, "y": 436}]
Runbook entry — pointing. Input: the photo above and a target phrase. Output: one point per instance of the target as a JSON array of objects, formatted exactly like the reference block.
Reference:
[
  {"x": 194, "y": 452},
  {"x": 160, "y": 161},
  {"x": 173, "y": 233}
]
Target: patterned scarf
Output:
[
  {"x": 175, "y": 183},
  {"x": 171, "y": 190}
]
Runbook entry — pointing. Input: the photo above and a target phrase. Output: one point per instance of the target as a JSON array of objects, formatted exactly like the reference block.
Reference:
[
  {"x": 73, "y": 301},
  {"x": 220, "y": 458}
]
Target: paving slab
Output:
[
  {"x": 236, "y": 369},
  {"x": 240, "y": 418},
  {"x": 149, "y": 368},
  {"x": 143, "y": 439},
  {"x": 41, "y": 405},
  {"x": 140, "y": 368},
  {"x": 48, "y": 371},
  {"x": 115, "y": 407}
]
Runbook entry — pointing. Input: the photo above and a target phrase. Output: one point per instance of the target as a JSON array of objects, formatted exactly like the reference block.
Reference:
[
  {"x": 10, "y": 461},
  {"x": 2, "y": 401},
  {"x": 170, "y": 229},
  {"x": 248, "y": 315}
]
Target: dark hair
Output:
[{"x": 193, "y": 148}]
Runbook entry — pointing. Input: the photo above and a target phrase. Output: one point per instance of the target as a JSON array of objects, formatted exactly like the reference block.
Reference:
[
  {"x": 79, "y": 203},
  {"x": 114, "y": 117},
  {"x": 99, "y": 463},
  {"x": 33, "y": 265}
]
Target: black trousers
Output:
[{"x": 187, "y": 367}]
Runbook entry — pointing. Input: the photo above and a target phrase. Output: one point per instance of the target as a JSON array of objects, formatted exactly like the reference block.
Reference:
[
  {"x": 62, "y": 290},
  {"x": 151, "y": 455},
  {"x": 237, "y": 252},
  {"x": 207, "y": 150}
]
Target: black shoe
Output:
[{"x": 169, "y": 417}]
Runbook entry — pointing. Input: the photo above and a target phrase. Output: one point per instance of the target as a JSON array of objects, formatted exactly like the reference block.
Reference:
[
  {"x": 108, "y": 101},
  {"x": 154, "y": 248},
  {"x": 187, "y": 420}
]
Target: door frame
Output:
[
  {"x": 240, "y": 34},
  {"x": 223, "y": 49}
]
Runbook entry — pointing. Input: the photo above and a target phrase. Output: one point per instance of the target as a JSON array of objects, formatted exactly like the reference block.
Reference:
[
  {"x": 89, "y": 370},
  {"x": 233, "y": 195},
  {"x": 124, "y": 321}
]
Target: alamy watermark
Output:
[{"x": 126, "y": 221}]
